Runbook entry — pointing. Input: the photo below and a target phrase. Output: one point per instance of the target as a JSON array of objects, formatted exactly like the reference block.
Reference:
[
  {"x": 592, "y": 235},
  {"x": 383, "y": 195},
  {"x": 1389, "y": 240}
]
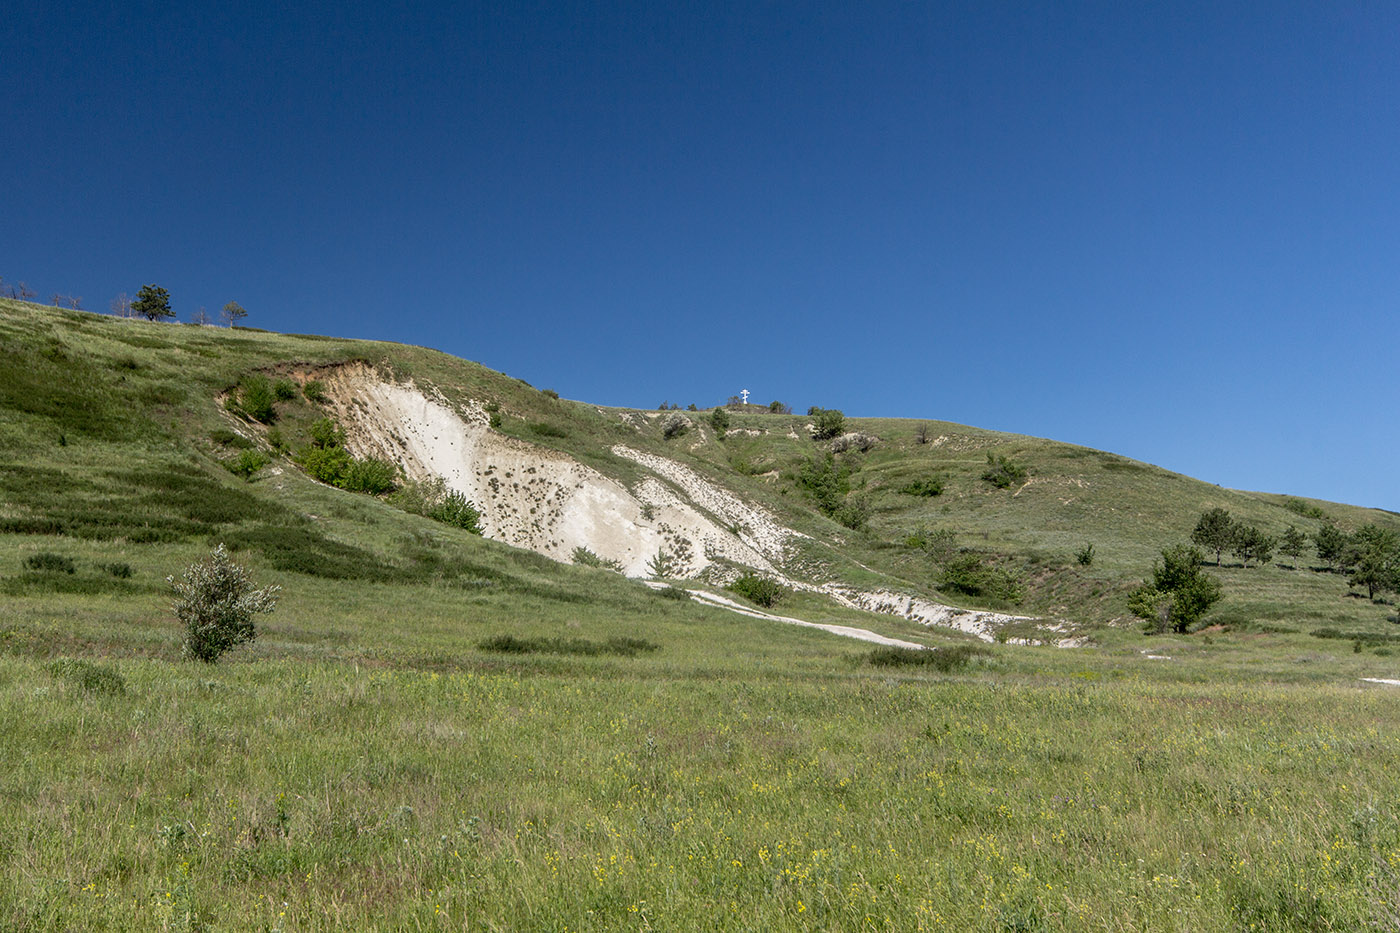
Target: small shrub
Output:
[
  {"x": 326, "y": 433},
  {"x": 719, "y": 420},
  {"x": 675, "y": 425},
  {"x": 672, "y": 592},
  {"x": 314, "y": 390},
  {"x": 226, "y": 438},
  {"x": 587, "y": 558},
  {"x": 828, "y": 422},
  {"x": 1001, "y": 472},
  {"x": 326, "y": 464},
  {"x": 88, "y": 677},
  {"x": 550, "y": 393},
  {"x": 370, "y": 475},
  {"x": 855, "y": 440},
  {"x": 257, "y": 399},
  {"x": 121, "y": 571},
  {"x": 275, "y": 438},
  {"x": 941, "y": 544},
  {"x": 432, "y": 499},
  {"x": 970, "y": 575},
  {"x": 216, "y": 602},
  {"x": 1085, "y": 555},
  {"x": 760, "y": 590},
  {"x": 923, "y": 487},
  {"x": 621, "y": 647},
  {"x": 248, "y": 463},
  {"x": 778, "y": 408},
  {"x": 48, "y": 562},
  {"x": 454, "y": 509},
  {"x": 545, "y": 429},
  {"x": 284, "y": 390},
  {"x": 946, "y": 659}
]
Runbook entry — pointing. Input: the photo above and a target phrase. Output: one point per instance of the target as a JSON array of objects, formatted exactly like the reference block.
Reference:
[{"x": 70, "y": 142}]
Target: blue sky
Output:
[{"x": 1167, "y": 230}]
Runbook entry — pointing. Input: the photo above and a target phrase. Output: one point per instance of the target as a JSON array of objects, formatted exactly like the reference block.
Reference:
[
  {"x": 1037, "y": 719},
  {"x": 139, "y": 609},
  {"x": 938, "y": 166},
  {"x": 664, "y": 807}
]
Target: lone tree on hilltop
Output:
[
  {"x": 233, "y": 314},
  {"x": 1215, "y": 531},
  {"x": 1178, "y": 594},
  {"x": 153, "y": 303}
]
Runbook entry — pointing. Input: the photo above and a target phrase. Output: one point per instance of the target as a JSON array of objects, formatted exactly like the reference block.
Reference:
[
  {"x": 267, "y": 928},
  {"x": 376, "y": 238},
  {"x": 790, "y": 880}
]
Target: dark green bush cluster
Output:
[
  {"x": 257, "y": 399},
  {"x": 314, "y": 390},
  {"x": 587, "y": 558},
  {"x": 226, "y": 438},
  {"x": 284, "y": 390},
  {"x": 88, "y": 677},
  {"x": 120, "y": 570},
  {"x": 972, "y": 575},
  {"x": 829, "y": 485},
  {"x": 827, "y": 422},
  {"x": 48, "y": 562},
  {"x": 1085, "y": 555},
  {"x": 760, "y": 590},
  {"x": 432, "y": 499},
  {"x": 1002, "y": 472},
  {"x": 675, "y": 425},
  {"x": 621, "y": 647},
  {"x": 1305, "y": 509},
  {"x": 945, "y": 660},
  {"x": 248, "y": 463},
  {"x": 672, "y": 592},
  {"x": 719, "y": 420},
  {"x": 545, "y": 429},
  {"x": 328, "y": 461},
  {"x": 923, "y": 487}
]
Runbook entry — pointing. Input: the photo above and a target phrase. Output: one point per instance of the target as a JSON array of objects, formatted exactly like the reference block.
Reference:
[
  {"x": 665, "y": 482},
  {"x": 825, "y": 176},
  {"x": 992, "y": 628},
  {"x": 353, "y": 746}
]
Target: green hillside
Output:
[{"x": 436, "y": 730}]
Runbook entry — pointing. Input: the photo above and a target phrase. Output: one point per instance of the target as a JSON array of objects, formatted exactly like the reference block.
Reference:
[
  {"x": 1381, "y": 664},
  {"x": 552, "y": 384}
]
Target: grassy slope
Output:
[{"x": 365, "y": 765}]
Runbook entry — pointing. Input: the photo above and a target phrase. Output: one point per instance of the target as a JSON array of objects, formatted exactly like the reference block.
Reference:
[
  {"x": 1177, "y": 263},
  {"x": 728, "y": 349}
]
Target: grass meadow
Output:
[{"x": 437, "y": 732}]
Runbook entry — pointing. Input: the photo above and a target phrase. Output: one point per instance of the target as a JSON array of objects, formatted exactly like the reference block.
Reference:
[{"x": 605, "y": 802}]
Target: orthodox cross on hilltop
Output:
[{"x": 744, "y": 394}]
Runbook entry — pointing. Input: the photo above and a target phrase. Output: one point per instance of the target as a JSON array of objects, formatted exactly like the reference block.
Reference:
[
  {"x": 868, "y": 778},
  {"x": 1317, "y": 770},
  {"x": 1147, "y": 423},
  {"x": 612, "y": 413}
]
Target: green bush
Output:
[
  {"x": 122, "y": 571},
  {"x": 719, "y": 420},
  {"x": 1001, "y": 472},
  {"x": 621, "y": 647},
  {"x": 226, "y": 438},
  {"x": 326, "y": 464},
  {"x": 326, "y": 433},
  {"x": 545, "y": 429},
  {"x": 284, "y": 389},
  {"x": 370, "y": 475},
  {"x": 88, "y": 677},
  {"x": 940, "y": 544},
  {"x": 760, "y": 590},
  {"x": 674, "y": 425},
  {"x": 248, "y": 463},
  {"x": 258, "y": 400},
  {"x": 972, "y": 576},
  {"x": 828, "y": 423},
  {"x": 587, "y": 558},
  {"x": 945, "y": 659},
  {"x": 432, "y": 499},
  {"x": 216, "y": 602},
  {"x": 672, "y": 592},
  {"x": 1085, "y": 555},
  {"x": 923, "y": 487},
  {"x": 1178, "y": 594},
  {"x": 48, "y": 562},
  {"x": 314, "y": 390}
]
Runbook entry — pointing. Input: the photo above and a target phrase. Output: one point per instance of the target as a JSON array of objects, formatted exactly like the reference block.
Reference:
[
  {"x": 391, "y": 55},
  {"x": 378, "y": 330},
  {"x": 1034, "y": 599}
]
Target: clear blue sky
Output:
[{"x": 1167, "y": 230}]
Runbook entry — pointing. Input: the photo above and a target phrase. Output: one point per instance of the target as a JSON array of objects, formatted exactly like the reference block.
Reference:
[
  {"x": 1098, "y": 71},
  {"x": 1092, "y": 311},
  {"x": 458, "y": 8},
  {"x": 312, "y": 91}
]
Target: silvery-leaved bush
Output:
[{"x": 216, "y": 602}]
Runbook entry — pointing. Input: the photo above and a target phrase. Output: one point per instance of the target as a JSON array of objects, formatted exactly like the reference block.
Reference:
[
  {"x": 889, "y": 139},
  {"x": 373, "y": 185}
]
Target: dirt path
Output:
[{"x": 712, "y": 599}]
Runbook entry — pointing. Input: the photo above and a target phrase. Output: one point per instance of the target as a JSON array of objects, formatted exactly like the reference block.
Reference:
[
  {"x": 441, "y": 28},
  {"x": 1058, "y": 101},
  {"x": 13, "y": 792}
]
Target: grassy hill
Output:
[{"x": 432, "y": 731}]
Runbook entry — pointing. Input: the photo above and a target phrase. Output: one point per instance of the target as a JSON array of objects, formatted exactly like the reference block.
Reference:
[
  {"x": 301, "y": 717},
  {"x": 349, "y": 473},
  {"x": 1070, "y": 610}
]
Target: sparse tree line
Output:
[{"x": 151, "y": 302}]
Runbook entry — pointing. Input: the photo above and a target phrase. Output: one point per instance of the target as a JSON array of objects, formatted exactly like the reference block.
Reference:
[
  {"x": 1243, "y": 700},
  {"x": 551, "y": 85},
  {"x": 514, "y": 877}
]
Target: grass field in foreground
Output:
[{"x": 1036, "y": 790}]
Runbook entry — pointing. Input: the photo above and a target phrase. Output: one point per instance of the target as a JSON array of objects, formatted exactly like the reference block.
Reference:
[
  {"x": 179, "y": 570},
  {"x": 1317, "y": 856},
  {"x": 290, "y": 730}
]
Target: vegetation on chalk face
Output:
[
  {"x": 927, "y": 487},
  {"x": 719, "y": 420},
  {"x": 758, "y": 589},
  {"x": 248, "y": 463},
  {"x": 432, "y": 499},
  {"x": 827, "y": 422},
  {"x": 1002, "y": 472},
  {"x": 315, "y": 391},
  {"x": 587, "y": 558},
  {"x": 215, "y": 601},
  {"x": 1179, "y": 594},
  {"x": 674, "y": 426},
  {"x": 258, "y": 400},
  {"x": 284, "y": 389},
  {"x": 976, "y": 576},
  {"x": 945, "y": 659},
  {"x": 327, "y": 460}
]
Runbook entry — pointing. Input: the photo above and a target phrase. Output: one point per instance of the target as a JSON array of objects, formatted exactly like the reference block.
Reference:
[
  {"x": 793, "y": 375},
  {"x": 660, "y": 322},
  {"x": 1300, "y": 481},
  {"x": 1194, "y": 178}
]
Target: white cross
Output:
[{"x": 744, "y": 394}]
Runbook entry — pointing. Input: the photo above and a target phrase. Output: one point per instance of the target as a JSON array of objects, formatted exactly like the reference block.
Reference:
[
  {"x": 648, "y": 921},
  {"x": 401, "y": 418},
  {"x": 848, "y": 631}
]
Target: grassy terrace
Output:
[{"x": 374, "y": 761}]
